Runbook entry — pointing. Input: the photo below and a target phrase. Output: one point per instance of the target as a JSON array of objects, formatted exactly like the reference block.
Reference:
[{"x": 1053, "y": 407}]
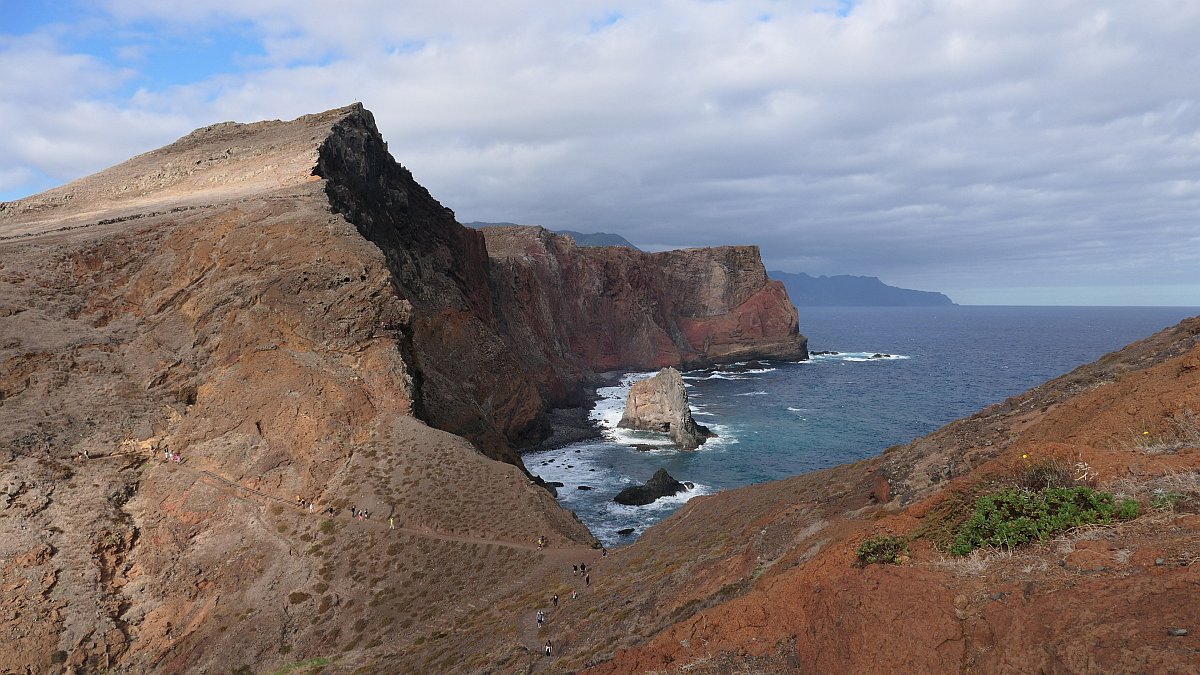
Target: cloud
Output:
[{"x": 937, "y": 144}]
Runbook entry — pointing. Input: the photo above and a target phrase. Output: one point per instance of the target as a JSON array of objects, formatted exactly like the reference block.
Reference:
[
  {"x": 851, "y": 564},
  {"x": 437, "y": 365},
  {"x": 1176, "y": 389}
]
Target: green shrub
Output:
[
  {"x": 1128, "y": 509},
  {"x": 1014, "y": 516},
  {"x": 881, "y": 549}
]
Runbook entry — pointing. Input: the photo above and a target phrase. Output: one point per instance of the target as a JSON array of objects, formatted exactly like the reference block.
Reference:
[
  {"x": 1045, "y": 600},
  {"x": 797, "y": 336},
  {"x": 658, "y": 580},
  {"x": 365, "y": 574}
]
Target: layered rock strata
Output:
[
  {"x": 660, "y": 403},
  {"x": 571, "y": 309}
]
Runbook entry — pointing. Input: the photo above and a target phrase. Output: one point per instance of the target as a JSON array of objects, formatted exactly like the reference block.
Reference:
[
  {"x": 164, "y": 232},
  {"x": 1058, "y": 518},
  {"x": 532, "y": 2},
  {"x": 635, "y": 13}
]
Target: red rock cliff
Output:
[{"x": 570, "y": 308}]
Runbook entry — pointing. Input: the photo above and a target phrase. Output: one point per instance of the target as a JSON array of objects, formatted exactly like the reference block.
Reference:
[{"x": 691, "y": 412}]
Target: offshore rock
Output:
[
  {"x": 660, "y": 485},
  {"x": 660, "y": 403}
]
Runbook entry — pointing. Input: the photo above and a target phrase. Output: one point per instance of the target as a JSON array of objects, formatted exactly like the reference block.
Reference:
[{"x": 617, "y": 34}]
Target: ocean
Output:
[{"x": 777, "y": 419}]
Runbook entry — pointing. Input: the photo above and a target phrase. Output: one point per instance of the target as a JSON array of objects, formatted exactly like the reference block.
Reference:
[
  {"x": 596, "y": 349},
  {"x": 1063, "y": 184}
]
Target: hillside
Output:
[
  {"x": 285, "y": 307},
  {"x": 850, "y": 291},
  {"x": 282, "y": 305}
]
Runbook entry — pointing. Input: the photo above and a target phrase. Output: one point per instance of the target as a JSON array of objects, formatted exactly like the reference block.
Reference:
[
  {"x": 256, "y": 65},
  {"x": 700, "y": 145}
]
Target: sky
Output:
[{"x": 999, "y": 151}]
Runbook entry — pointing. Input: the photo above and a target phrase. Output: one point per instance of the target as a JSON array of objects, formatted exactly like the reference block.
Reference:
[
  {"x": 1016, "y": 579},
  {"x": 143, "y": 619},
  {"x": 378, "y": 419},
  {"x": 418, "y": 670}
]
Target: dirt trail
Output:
[{"x": 222, "y": 483}]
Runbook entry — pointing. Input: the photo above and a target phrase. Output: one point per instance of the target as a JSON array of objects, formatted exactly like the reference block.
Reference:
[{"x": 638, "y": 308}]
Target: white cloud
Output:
[{"x": 938, "y": 144}]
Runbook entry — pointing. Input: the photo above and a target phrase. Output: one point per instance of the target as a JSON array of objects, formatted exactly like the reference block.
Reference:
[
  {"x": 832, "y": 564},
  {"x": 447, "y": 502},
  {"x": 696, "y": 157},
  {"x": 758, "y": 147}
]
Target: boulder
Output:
[
  {"x": 660, "y": 404},
  {"x": 661, "y": 485}
]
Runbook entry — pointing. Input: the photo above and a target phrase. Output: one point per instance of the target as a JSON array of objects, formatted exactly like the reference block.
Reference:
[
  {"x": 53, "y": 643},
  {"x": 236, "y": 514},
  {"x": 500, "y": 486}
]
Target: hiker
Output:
[
  {"x": 310, "y": 505},
  {"x": 554, "y": 601},
  {"x": 549, "y": 648},
  {"x": 391, "y": 522},
  {"x": 178, "y": 459},
  {"x": 166, "y": 455},
  {"x": 574, "y": 570},
  {"x": 582, "y": 568},
  {"x": 587, "y": 580},
  {"x": 574, "y": 594},
  {"x": 353, "y": 511},
  {"x": 541, "y": 618},
  {"x": 330, "y": 510},
  {"x": 603, "y": 552}
]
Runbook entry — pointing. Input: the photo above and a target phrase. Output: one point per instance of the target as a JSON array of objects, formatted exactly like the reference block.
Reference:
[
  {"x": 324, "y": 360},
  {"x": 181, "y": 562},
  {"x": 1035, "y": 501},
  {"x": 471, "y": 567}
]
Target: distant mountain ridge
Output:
[
  {"x": 846, "y": 290},
  {"x": 586, "y": 240}
]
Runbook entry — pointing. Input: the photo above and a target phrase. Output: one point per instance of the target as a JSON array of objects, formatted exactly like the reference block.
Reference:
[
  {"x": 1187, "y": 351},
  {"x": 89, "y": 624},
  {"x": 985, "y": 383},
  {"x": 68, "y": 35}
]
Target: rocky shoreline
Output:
[{"x": 575, "y": 425}]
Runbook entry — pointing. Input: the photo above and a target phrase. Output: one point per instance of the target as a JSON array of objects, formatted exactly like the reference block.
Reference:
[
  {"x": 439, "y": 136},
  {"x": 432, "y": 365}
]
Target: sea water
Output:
[{"x": 938, "y": 364}]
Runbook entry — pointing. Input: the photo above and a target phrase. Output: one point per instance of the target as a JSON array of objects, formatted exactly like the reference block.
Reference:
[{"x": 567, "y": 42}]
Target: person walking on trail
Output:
[
  {"x": 574, "y": 570},
  {"x": 554, "y": 601},
  {"x": 391, "y": 522},
  {"x": 587, "y": 580},
  {"x": 541, "y": 618},
  {"x": 549, "y": 648},
  {"x": 574, "y": 594}
]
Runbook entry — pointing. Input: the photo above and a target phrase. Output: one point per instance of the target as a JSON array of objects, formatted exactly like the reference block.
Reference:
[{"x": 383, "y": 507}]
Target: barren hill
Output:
[{"x": 283, "y": 305}]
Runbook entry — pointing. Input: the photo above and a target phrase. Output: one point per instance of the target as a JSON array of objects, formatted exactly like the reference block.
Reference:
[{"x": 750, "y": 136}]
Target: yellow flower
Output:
[{"x": 1145, "y": 433}]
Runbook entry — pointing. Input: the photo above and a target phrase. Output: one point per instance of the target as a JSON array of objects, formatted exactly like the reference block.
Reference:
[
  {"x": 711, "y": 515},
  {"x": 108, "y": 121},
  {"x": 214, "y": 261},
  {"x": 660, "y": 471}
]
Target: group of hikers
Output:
[{"x": 580, "y": 571}]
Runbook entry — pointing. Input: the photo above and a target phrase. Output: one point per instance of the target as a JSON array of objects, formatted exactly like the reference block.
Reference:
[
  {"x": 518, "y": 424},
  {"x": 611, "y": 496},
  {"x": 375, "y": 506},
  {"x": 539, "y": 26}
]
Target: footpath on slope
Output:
[{"x": 551, "y": 574}]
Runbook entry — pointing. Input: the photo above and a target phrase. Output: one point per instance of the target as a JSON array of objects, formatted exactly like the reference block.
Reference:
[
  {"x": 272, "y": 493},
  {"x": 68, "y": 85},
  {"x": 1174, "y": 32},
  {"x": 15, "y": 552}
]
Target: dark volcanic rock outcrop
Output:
[
  {"x": 660, "y": 403},
  {"x": 659, "y": 485}
]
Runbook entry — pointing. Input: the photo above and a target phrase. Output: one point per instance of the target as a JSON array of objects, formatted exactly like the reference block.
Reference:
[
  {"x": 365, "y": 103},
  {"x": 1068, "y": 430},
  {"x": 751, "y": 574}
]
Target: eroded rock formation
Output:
[{"x": 660, "y": 403}]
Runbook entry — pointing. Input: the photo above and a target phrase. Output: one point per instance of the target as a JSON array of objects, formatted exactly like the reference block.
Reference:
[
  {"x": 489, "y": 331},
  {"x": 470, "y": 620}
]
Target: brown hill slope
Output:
[
  {"x": 260, "y": 334},
  {"x": 763, "y": 579},
  {"x": 278, "y": 302}
]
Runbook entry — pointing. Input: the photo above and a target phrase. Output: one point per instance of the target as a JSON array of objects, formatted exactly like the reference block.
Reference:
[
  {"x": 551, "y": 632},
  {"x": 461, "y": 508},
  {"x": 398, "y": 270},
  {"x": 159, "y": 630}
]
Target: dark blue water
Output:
[{"x": 784, "y": 419}]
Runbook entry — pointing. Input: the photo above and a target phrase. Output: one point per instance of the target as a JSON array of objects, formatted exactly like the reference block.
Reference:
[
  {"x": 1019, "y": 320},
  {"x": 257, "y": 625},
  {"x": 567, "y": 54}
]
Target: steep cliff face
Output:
[
  {"x": 212, "y": 298},
  {"x": 283, "y": 305},
  {"x": 468, "y": 382},
  {"x": 570, "y": 308}
]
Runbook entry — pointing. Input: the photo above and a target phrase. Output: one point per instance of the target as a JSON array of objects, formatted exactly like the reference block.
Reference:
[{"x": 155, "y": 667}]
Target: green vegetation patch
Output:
[
  {"x": 881, "y": 549},
  {"x": 1015, "y": 516}
]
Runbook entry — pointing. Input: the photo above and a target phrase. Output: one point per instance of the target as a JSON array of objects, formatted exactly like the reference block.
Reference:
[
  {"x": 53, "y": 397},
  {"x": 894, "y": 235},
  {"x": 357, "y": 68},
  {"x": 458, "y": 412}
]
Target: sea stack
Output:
[{"x": 660, "y": 403}]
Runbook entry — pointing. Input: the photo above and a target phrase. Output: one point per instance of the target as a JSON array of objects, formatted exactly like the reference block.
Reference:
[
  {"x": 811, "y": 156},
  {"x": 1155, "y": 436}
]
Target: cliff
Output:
[
  {"x": 570, "y": 308},
  {"x": 284, "y": 306},
  {"x": 660, "y": 403},
  {"x": 276, "y": 301},
  {"x": 843, "y": 290}
]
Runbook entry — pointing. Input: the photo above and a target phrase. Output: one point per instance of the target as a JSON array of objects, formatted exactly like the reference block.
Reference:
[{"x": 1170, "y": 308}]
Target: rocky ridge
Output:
[{"x": 283, "y": 305}]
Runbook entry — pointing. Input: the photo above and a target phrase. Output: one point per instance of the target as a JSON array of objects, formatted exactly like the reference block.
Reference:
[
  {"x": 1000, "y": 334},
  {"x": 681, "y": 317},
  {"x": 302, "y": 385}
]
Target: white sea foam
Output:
[
  {"x": 858, "y": 357},
  {"x": 753, "y": 393}
]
